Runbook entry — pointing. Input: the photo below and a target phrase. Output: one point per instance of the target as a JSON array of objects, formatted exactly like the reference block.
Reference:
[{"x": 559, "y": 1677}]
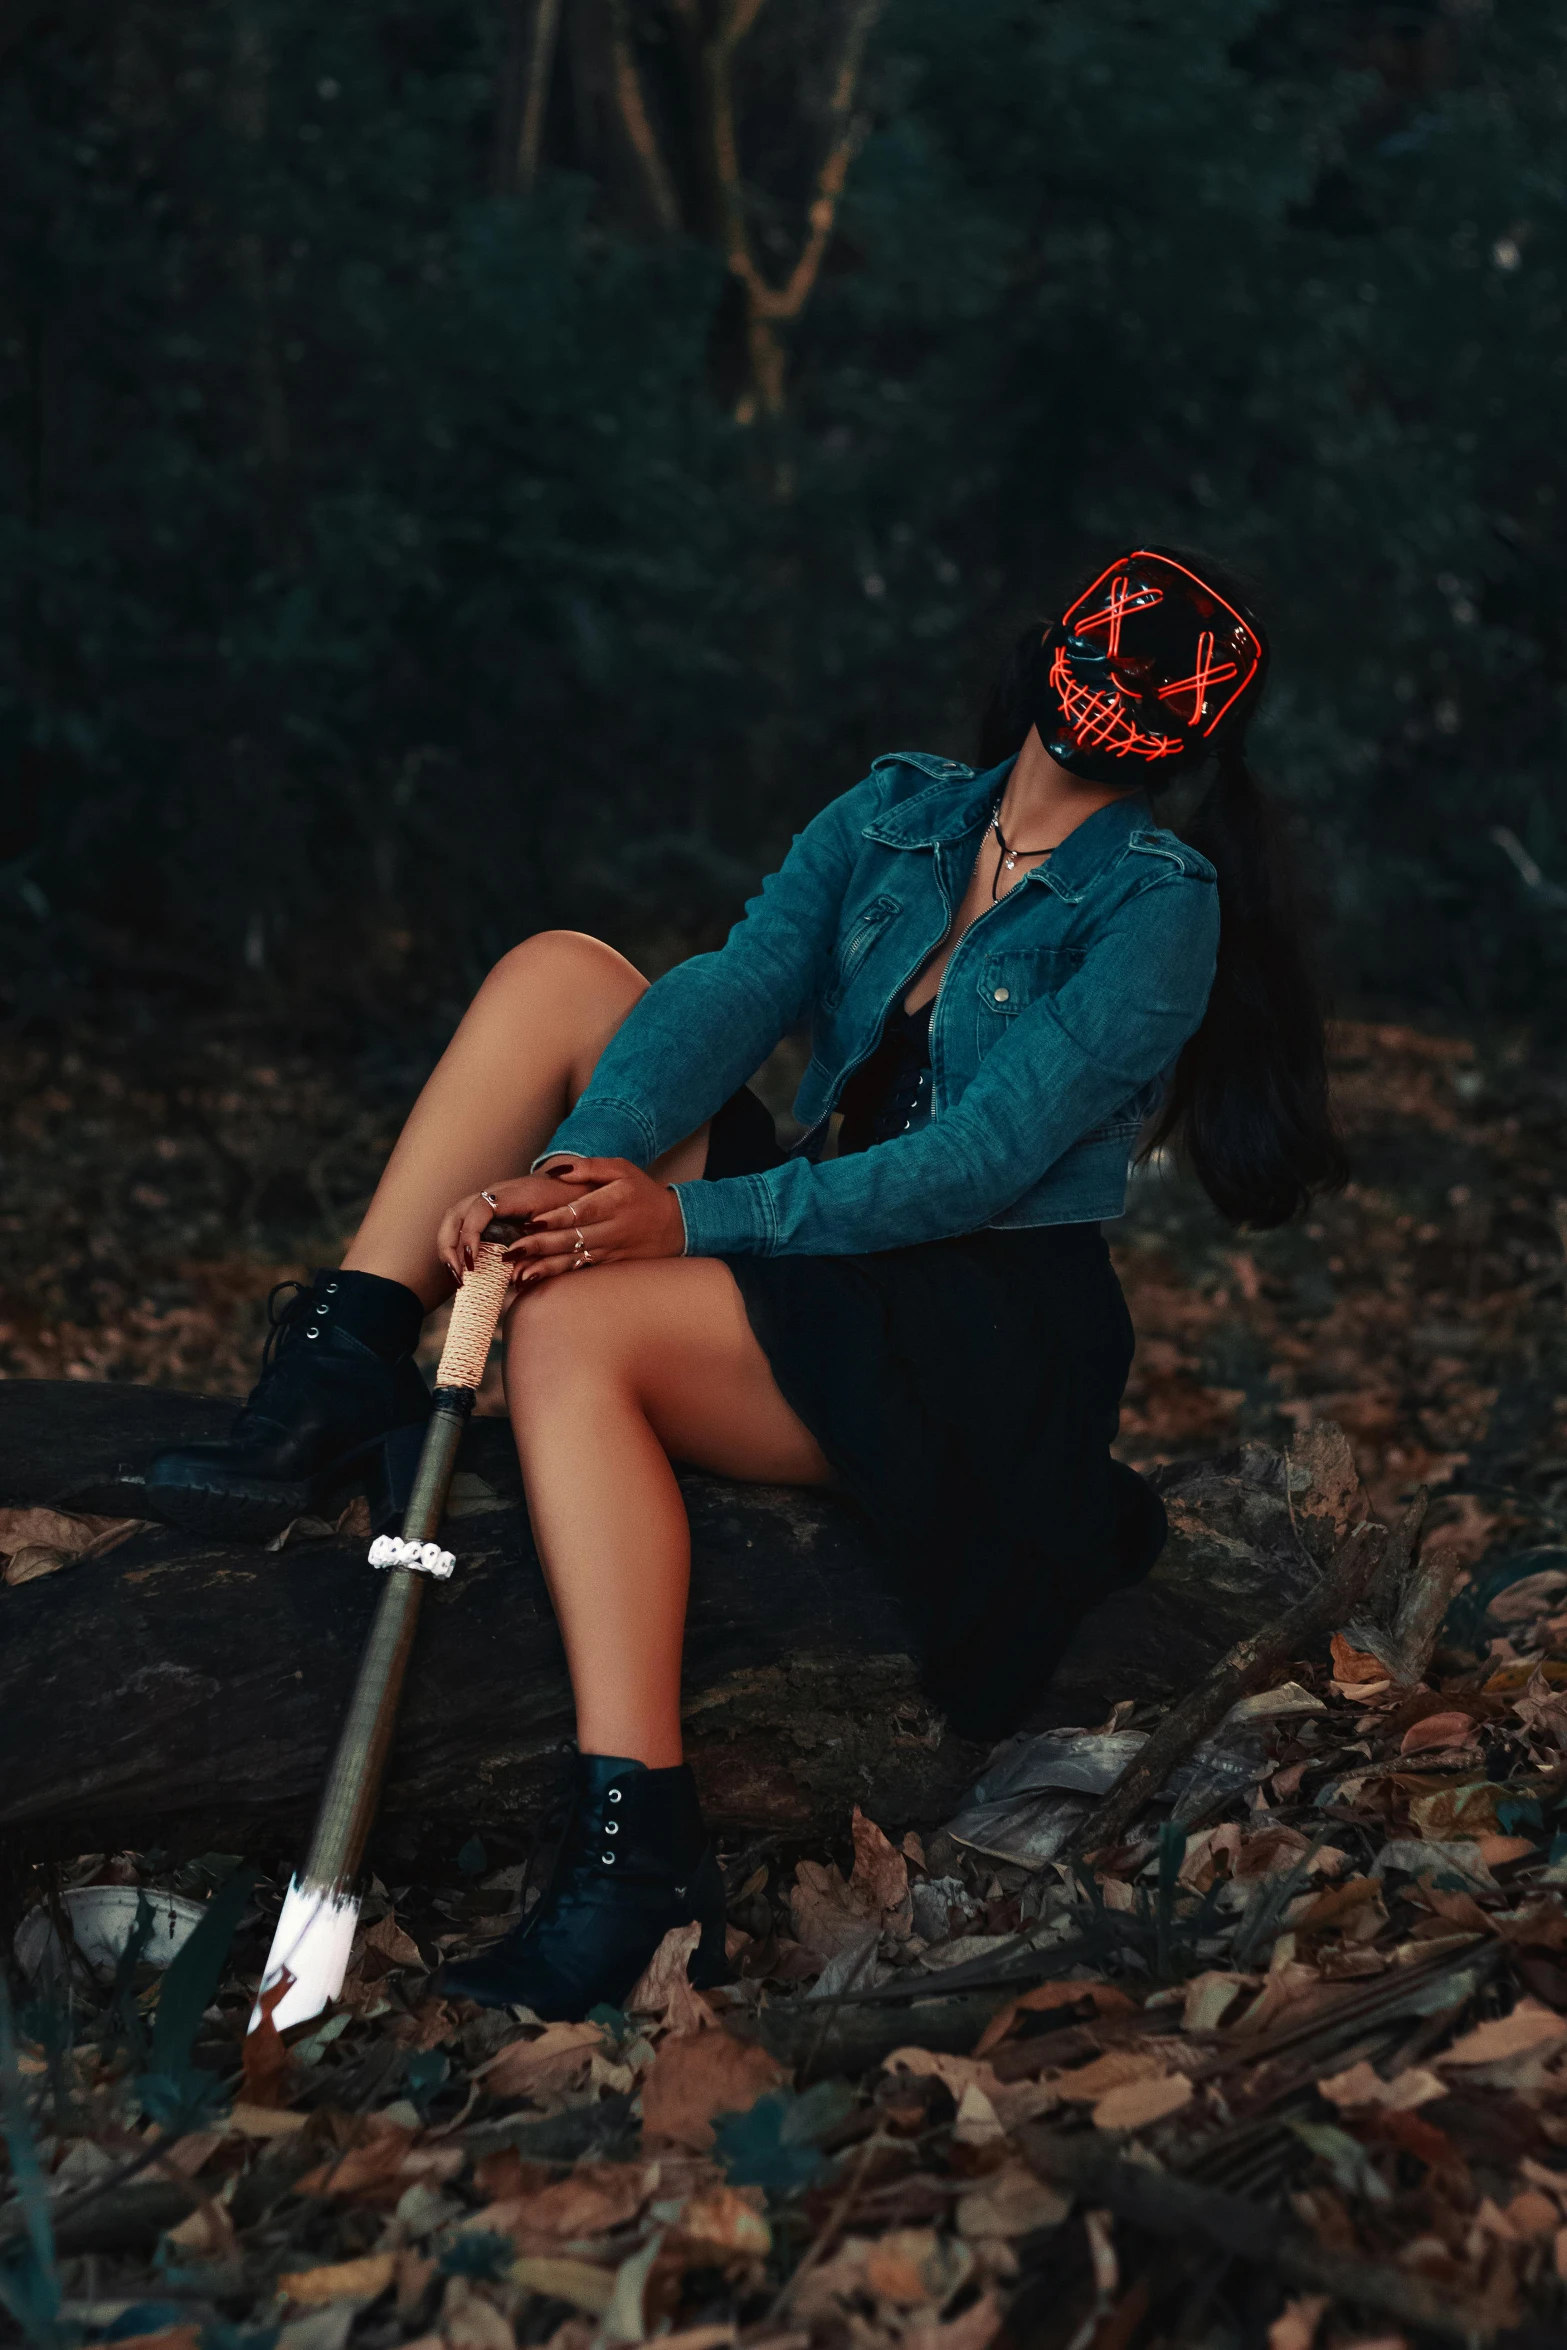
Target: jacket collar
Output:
[{"x": 961, "y": 802}]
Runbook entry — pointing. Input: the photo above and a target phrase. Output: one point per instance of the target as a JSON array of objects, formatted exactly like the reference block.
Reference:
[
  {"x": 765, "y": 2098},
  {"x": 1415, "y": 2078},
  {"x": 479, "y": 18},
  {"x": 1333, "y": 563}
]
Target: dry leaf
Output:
[
  {"x": 977, "y": 2122},
  {"x": 576, "y": 2281},
  {"x": 263, "y": 2121},
  {"x": 263, "y": 2058},
  {"x": 1529, "y": 2027},
  {"x": 1089, "y": 2082},
  {"x": 1210, "y": 1997},
  {"x": 1139, "y": 2103},
  {"x": 727, "y": 2219},
  {"x": 594, "y": 2199},
  {"x": 340, "y": 2280},
  {"x": 470, "y": 2319},
  {"x": 1531, "y": 2214},
  {"x": 1104, "y": 1998},
  {"x": 974, "y": 2329},
  {"x": 1362, "y": 2084},
  {"x": 1352, "y": 1665},
  {"x": 698, "y": 2075},
  {"x": 36, "y": 1542},
  {"x": 1452, "y": 1729},
  {"x": 387, "y": 1938},
  {"x": 543, "y": 2063},
  {"x": 371, "y": 2169},
  {"x": 664, "y": 1986},
  {"x": 831, "y": 1915},
  {"x": 1296, "y": 2329},
  {"x": 1457, "y": 1814},
  {"x": 1011, "y": 2202},
  {"x": 208, "y": 2232}
]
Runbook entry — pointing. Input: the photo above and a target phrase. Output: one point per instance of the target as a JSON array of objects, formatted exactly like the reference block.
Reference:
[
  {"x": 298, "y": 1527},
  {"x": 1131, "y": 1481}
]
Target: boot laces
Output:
[
  {"x": 284, "y": 1325},
  {"x": 281, "y": 1326}
]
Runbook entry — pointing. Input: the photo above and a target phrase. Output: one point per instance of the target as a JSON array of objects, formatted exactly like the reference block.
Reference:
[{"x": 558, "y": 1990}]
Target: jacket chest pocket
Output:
[
  {"x": 858, "y": 938},
  {"x": 1010, "y": 981}
]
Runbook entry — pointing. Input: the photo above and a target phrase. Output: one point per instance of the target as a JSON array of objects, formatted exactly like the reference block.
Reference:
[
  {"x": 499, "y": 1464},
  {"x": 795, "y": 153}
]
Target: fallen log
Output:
[{"x": 177, "y": 1681}]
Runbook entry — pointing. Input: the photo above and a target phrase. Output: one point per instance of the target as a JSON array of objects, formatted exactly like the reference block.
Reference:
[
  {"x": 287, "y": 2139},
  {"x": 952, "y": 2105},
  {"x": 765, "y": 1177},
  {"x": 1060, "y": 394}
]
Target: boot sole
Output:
[{"x": 253, "y": 1509}]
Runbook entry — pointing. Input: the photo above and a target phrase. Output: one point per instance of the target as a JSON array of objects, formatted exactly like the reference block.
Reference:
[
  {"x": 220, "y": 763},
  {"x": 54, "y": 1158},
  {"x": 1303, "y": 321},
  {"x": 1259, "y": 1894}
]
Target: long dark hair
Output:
[{"x": 1248, "y": 1105}]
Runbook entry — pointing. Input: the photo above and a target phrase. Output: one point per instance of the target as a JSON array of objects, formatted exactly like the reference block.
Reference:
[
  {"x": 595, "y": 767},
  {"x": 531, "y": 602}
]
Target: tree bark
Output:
[{"x": 177, "y": 1681}]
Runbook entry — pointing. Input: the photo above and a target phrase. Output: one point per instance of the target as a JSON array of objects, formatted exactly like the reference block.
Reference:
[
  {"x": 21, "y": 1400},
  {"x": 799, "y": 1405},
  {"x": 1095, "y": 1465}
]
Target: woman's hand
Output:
[
  {"x": 522, "y": 1198},
  {"x": 613, "y": 1211}
]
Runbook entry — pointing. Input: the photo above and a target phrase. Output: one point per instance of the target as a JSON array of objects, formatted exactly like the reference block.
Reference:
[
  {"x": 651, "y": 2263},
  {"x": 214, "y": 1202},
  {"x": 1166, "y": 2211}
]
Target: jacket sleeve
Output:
[
  {"x": 708, "y": 1025},
  {"x": 1067, "y": 1063}
]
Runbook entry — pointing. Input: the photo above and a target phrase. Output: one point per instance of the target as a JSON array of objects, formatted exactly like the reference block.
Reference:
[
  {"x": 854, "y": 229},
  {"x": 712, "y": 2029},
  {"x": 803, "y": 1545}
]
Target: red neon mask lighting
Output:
[{"x": 1143, "y": 667}]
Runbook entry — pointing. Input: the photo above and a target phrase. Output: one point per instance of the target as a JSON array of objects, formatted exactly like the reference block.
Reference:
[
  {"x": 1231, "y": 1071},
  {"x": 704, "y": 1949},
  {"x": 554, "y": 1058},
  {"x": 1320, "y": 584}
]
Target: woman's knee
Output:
[
  {"x": 564, "y": 1331},
  {"x": 568, "y": 962}
]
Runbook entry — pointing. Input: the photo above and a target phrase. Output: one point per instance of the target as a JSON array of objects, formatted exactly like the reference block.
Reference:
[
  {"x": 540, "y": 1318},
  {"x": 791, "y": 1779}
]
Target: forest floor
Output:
[{"x": 1287, "y": 2069}]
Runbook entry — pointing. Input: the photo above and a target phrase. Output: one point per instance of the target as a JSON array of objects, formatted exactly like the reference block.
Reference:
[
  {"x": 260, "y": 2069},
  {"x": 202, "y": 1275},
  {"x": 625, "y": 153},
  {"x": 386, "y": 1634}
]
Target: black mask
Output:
[{"x": 1140, "y": 670}]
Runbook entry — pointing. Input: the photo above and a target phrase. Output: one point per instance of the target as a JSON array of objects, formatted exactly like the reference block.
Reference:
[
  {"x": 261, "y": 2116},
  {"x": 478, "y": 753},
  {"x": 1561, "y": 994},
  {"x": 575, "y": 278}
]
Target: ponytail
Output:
[{"x": 1249, "y": 1101}]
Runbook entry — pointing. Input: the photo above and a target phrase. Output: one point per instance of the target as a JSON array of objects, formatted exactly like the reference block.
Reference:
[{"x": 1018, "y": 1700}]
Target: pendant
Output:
[{"x": 1010, "y": 862}]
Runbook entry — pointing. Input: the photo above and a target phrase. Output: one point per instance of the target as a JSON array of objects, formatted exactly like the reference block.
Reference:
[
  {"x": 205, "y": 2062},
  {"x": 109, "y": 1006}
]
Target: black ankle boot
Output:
[
  {"x": 634, "y": 1861},
  {"x": 340, "y": 1406}
]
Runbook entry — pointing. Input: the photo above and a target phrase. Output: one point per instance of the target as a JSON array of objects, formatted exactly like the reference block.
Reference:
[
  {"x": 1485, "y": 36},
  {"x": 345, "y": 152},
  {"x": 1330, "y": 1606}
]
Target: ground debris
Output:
[{"x": 1292, "y": 2048}]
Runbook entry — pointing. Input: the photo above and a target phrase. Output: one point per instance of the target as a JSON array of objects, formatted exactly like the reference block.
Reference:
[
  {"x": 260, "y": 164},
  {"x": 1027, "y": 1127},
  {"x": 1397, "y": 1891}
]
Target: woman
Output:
[{"x": 1006, "y": 972}]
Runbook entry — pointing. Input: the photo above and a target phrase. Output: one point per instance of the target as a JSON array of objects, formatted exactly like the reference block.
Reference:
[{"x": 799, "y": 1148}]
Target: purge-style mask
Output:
[{"x": 1140, "y": 672}]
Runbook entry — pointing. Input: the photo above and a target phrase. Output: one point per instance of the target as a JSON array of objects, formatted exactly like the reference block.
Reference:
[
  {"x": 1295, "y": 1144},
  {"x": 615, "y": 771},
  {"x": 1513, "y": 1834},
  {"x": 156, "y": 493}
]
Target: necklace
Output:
[{"x": 1008, "y": 857}]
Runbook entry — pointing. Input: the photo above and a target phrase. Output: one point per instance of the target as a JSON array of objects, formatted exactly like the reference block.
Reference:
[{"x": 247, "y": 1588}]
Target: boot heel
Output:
[{"x": 390, "y": 1478}]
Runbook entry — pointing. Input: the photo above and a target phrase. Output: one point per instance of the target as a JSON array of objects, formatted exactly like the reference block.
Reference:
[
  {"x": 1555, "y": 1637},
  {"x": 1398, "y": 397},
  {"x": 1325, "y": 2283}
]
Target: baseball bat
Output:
[{"x": 321, "y": 1909}]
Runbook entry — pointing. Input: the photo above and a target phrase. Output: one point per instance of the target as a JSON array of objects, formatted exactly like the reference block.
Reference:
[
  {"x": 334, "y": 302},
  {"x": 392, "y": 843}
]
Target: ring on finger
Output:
[
  {"x": 494, "y": 1202},
  {"x": 574, "y": 1216}
]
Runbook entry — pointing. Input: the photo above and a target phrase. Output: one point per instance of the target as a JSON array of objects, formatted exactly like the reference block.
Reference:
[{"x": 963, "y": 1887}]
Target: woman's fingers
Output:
[{"x": 593, "y": 1240}]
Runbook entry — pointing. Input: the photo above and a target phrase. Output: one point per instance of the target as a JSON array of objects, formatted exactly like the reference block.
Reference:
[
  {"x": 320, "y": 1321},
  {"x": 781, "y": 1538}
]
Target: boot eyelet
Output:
[
  {"x": 331, "y": 1289},
  {"x": 608, "y": 1858},
  {"x": 312, "y": 1332},
  {"x": 323, "y": 1307},
  {"x": 612, "y": 1827},
  {"x": 614, "y": 1795}
]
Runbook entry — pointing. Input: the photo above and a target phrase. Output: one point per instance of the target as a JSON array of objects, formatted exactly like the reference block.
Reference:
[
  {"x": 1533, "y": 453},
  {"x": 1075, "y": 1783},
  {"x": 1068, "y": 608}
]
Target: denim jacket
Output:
[{"x": 1059, "y": 1011}]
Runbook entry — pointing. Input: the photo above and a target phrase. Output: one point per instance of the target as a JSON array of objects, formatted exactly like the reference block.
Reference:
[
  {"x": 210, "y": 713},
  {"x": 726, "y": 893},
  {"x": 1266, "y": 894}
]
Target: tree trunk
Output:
[{"x": 178, "y": 1681}]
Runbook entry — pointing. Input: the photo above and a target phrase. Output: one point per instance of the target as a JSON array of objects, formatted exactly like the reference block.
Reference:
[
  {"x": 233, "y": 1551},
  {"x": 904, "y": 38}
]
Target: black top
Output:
[{"x": 890, "y": 1091}]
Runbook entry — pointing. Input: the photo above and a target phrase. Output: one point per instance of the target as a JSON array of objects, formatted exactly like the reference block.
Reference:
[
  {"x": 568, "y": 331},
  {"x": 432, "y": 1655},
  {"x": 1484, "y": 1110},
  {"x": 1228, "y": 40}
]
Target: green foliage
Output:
[
  {"x": 172, "y": 2091},
  {"x": 30, "y": 2278},
  {"x": 478, "y": 2253},
  {"x": 380, "y": 576},
  {"x": 775, "y": 2144}
]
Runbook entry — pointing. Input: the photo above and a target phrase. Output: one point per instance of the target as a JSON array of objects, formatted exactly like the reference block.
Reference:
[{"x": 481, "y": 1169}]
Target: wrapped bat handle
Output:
[{"x": 321, "y": 1909}]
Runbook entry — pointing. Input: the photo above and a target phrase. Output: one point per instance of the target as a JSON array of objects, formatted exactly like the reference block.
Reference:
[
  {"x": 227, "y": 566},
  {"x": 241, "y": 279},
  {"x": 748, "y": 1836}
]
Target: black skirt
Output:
[{"x": 967, "y": 1393}]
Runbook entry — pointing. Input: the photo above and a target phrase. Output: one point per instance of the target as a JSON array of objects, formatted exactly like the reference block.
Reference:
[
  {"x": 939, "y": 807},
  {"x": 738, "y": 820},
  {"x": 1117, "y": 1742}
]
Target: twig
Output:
[
  {"x": 1353, "y": 1564},
  {"x": 825, "y": 2237},
  {"x": 1167, "y": 2205}
]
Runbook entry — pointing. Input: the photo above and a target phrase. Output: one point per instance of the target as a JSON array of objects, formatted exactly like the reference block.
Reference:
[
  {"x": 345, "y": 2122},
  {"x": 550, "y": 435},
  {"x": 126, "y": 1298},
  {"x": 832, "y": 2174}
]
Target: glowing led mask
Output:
[{"x": 1140, "y": 671}]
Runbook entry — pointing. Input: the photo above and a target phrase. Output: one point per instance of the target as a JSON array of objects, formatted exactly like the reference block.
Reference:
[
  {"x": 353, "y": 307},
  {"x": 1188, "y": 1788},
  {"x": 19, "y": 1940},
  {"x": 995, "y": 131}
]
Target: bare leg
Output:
[
  {"x": 525, "y": 1049},
  {"x": 606, "y": 1378}
]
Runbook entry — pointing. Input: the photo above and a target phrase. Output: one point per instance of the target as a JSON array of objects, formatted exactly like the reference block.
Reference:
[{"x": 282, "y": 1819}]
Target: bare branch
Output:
[
  {"x": 626, "y": 82},
  {"x": 1248, "y": 1663}
]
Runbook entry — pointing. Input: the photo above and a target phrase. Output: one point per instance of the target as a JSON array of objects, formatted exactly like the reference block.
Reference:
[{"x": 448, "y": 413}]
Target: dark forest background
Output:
[{"x": 474, "y": 464}]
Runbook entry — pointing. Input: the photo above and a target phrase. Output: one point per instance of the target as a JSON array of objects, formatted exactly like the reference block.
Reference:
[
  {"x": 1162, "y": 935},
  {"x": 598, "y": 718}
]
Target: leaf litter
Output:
[{"x": 1290, "y": 2053}]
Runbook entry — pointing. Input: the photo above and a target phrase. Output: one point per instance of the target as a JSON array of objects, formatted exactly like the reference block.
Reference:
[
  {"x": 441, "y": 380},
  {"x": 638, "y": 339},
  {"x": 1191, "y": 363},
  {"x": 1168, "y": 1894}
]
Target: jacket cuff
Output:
[
  {"x": 601, "y": 1130},
  {"x": 732, "y": 1217}
]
